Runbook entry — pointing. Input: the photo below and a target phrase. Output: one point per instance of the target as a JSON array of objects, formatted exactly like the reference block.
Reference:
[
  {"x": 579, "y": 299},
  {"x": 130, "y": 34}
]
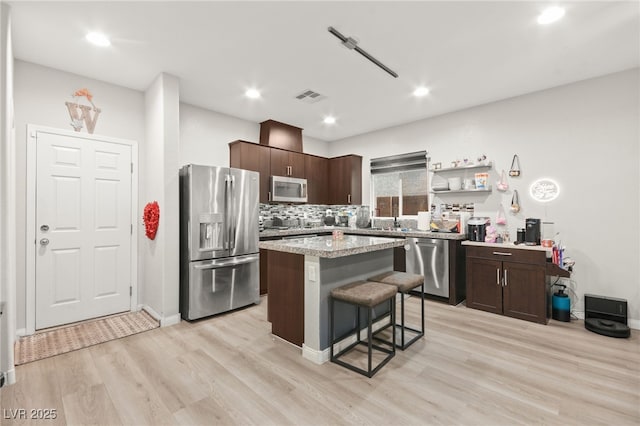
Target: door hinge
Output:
[
  {"x": 132, "y": 229},
  {"x": 130, "y": 290},
  {"x": 131, "y": 167}
]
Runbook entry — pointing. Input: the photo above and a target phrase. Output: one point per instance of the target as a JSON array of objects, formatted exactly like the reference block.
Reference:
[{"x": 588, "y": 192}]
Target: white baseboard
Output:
[
  {"x": 170, "y": 320},
  {"x": 21, "y": 332},
  {"x": 320, "y": 357},
  {"x": 151, "y": 312},
  {"x": 316, "y": 356},
  {"x": 164, "y": 321},
  {"x": 10, "y": 376}
]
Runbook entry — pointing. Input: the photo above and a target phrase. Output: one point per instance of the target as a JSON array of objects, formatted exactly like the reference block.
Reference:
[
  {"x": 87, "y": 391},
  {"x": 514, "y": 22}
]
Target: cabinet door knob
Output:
[
  {"x": 498, "y": 276},
  {"x": 505, "y": 278},
  {"x": 349, "y": 199},
  {"x": 269, "y": 196}
]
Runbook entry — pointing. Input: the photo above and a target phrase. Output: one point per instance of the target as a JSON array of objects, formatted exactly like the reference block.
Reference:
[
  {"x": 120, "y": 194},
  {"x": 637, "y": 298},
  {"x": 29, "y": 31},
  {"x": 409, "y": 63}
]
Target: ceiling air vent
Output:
[{"x": 310, "y": 97}]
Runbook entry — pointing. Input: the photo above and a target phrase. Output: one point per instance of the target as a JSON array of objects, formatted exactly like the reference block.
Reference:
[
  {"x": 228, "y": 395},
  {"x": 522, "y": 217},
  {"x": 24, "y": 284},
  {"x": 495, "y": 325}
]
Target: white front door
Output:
[{"x": 83, "y": 235}]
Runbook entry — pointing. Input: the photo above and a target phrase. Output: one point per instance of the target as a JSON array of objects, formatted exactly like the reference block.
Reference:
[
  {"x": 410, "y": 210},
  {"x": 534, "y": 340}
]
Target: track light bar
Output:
[{"x": 352, "y": 44}]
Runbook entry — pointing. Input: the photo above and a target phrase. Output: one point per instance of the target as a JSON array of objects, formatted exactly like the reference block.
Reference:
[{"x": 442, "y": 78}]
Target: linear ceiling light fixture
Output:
[{"x": 352, "y": 44}]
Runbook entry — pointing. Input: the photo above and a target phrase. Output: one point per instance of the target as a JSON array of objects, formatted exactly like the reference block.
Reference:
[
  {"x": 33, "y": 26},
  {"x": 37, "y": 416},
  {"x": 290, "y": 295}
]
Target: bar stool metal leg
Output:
[{"x": 363, "y": 295}]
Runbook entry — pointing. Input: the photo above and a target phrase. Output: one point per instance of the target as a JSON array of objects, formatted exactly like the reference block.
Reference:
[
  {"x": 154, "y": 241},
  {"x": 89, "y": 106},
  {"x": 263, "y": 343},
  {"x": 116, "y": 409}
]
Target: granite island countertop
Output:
[
  {"x": 393, "y": 233},
  {"x": 327, "y": 247}
]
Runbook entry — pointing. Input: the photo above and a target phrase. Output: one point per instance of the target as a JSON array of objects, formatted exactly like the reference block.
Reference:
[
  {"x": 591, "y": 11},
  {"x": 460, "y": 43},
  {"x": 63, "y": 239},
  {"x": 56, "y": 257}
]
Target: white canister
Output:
[
  {"x": 469, "y": 184},
  {"x": 455, "y": 183}
]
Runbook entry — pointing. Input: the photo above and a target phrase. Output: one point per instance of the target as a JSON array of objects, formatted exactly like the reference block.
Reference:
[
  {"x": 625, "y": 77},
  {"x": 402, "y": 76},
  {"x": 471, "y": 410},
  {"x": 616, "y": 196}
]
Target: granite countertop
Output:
[
  {"x": 363, "y": 231},
  {"x": 507, "y": 246},
  {"x": 327, "y": 247}
]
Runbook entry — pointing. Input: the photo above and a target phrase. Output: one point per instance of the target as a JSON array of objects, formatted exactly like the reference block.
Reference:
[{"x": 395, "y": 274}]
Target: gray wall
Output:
[{"x": 584, "y": 135}]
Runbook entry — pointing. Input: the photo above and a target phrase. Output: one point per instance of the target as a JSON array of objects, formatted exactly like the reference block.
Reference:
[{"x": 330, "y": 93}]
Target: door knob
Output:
[
  {"x": 44, "y": 242},
  {"x": 44, "y": 228}
]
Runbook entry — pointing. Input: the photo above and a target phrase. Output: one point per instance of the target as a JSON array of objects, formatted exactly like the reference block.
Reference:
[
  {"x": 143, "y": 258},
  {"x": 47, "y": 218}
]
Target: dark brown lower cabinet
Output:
[
  {"x": 264, "y": 262},
  {"x": 511, "y": 282},
  {"x": 285, "y": 309}
]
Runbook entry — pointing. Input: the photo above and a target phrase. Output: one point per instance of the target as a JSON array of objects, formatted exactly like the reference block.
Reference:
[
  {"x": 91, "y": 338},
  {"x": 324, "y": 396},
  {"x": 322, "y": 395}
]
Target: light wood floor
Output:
[{"x": 472, "y": 368}]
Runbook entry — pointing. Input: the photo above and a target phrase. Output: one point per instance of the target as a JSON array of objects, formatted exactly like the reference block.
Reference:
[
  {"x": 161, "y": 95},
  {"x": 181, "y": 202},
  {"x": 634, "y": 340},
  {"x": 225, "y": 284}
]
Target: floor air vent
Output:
[{"x": 310, "y": 97}]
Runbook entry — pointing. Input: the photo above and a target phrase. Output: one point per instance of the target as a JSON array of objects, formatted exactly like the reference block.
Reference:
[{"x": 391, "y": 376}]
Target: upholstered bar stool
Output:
[
  {"x": 405, "y": 282},
  {"x": 362, "y": 294}
]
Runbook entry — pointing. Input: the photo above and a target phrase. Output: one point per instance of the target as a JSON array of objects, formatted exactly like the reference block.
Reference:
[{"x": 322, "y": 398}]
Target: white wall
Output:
[
  {"x": 160, "y": 292},
  {"x": 40, "y": 94},
  {"x": 7, "y": 197},
  {"x": 584, "y": 135},
  {"x": 205, "y": 136}
]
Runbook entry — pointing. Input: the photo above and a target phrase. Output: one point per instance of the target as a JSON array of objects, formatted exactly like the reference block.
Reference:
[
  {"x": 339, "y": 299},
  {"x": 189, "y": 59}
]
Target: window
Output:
[{"x": 399, "y": 184}]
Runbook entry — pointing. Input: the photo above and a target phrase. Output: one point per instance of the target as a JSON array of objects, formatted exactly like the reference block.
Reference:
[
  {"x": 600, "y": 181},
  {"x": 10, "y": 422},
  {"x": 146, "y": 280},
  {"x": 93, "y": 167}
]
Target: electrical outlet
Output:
[{"x": 313, "y": 273}]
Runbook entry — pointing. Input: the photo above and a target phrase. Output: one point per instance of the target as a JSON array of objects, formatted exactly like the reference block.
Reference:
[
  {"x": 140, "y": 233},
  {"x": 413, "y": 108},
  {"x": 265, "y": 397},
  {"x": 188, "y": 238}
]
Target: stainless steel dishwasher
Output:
[{"x": 429, "y": 257}]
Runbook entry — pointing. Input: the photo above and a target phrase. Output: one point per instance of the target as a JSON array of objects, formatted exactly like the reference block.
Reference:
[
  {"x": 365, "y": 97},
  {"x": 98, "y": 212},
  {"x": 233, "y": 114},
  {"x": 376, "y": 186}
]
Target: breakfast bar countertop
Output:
[{"x": 327, "y": 247}]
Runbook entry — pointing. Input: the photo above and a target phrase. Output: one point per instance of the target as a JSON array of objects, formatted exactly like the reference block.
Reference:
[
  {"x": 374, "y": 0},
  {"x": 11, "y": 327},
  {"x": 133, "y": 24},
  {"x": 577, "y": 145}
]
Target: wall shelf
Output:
[
  {"x": 461, "y": 191},
  {"x": 460, "y": 168}
]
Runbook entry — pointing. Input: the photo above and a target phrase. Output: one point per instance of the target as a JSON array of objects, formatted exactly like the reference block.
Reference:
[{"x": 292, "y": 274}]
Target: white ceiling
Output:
[{"x": 467, "y": 53}]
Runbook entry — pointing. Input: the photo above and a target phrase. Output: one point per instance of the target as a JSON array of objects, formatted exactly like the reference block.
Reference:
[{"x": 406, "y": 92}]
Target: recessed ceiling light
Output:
[
  {"x": 421, "y": 91},
  {"x": 329, "y": 120},
  {"x": 98, "y": 39},
  {"x": 252, "y": 93},
  {"x": 550, "y": 14}
]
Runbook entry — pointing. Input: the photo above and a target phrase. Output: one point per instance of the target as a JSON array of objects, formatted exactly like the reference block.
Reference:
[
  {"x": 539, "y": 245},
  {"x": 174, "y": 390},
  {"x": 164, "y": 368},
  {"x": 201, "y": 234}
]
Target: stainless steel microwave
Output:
[{"x": 288, "y": 189}]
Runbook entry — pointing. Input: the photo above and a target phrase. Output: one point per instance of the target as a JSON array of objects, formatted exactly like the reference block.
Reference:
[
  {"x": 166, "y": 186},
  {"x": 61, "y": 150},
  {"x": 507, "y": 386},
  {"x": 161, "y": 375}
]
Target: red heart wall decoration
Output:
[{"x": 151, "y": 219}]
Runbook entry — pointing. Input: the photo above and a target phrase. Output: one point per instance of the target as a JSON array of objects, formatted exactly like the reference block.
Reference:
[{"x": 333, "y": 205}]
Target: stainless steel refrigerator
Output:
[{"x": 219, "y": 256}]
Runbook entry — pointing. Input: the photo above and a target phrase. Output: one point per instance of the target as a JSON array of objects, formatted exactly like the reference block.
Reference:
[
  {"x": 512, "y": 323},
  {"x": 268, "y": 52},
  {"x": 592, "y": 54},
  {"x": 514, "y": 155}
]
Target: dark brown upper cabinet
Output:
[
  {"x": 287, "y": 163},
  {"x": 316, "y": 171},
  {"x": 281, "y": 135},
  {"x": 345, "y": 180},
  {"x": 251, "y": 156},
  {"x": 329, "y": 180}
]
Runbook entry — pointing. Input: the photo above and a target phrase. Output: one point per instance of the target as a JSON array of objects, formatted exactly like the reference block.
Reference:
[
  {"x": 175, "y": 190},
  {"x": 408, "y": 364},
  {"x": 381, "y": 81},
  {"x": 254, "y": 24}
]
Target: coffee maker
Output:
[{"x": 532, "y": 232}]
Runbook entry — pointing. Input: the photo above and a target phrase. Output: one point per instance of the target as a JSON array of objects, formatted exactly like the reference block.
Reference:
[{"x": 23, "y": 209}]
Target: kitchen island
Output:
[
  {"x": 451, "y": 242},
  {"x": 303, "y": 271}
]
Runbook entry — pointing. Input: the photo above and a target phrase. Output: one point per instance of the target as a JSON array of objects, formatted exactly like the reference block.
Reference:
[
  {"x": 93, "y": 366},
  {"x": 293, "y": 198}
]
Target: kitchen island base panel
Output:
[
  {"x": 285, "y": 308},
  {"x": 323, "y": 275}
]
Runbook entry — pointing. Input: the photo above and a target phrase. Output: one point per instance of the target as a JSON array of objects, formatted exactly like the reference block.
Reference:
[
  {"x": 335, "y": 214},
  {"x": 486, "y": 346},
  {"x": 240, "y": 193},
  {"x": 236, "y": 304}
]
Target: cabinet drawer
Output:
[{"x": 506, "y": 254}]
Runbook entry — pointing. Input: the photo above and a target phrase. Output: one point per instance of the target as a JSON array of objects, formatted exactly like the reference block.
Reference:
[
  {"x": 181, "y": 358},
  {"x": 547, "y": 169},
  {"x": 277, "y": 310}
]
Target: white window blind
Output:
[{"x": 399, "y": 184}]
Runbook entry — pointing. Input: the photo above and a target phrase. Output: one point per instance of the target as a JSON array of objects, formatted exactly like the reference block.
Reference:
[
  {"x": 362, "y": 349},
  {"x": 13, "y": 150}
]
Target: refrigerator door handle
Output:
[
  {"x": 216, "y": 265},
  {"x": 227, "y": 243},
  {"x": 232, "y": 217}
]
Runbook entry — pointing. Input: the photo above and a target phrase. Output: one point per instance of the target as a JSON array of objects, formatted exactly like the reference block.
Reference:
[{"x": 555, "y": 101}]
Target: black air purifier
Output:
[{"x": 606, "y": 316}]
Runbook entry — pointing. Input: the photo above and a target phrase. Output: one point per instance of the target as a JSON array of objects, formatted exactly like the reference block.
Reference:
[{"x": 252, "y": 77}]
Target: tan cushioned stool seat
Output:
[
  {"x": 403, "y": 280},
  {"x": 364, "y": 293}
]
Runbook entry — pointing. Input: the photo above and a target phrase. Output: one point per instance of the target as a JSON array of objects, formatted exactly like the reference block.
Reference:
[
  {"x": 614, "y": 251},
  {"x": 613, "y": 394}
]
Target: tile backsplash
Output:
[
  {"x": 294, "y": 215},
  {"x": 301, "y": 214}
]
